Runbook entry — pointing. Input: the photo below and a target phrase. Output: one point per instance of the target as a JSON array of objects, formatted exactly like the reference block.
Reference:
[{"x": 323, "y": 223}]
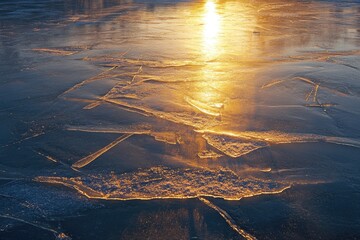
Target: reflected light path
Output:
[
  {"x": 226, "y": 38},
  {"x": 212, "y": 28},
  {"x": 207, "y": 98}
]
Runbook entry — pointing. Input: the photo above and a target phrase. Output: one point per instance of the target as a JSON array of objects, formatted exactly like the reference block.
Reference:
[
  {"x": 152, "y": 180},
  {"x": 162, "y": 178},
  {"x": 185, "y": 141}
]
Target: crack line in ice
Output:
[
  {"x": 50, "y": 158},
  {"x": 236, "y": 144},
  {"x": 229, "y": 220},
  {"x": 315, "y": 99},
  {"x": 59, "y": 52},
  {"x": 321, "y": 105},
  {"x": 176, "y": 117},
  {"x": 90, "y": 158},
  {"x": 23, "y": 139},
  {"x": 336, "y": 61},
  {"x": 92, "y": 105},
  {"x": 167, "y": 137},
  {"x": 309, "y": 95},
  {"x": 314, "y": 91},
  {"x": 89, "y": 80},
  {"x": 58, "y": 235}
]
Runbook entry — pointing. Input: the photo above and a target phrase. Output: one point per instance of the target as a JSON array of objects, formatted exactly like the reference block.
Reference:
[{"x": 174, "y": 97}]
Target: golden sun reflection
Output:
[
  {"x": 212, "y": 27},
  {"x": 207, "y": 98},
  {"x": 226, "y": 35}
]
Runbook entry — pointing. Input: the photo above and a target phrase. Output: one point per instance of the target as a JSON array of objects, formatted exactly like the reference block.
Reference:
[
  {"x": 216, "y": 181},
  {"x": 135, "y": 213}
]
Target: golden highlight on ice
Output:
[{"x": 212, "y": 27}]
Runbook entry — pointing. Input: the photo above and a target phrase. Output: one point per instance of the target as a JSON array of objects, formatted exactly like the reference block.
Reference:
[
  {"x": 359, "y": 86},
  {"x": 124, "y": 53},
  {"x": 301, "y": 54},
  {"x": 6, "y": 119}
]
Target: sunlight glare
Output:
[{"x": 211, "y": 29}]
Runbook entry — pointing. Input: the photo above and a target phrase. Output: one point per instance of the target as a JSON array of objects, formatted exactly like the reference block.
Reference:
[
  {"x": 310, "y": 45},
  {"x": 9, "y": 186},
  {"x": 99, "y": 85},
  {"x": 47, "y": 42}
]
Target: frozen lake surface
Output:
[{"x": 232, "y": 119}]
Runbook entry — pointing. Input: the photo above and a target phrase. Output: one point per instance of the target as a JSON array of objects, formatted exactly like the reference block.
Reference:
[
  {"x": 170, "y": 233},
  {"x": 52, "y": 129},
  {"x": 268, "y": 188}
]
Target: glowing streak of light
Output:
[{"x": 212, "y": 27}]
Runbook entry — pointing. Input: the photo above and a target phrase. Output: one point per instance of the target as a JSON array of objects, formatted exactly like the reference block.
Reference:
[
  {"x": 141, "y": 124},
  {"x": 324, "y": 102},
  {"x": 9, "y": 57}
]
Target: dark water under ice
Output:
[{"x": 208, "y": 119}]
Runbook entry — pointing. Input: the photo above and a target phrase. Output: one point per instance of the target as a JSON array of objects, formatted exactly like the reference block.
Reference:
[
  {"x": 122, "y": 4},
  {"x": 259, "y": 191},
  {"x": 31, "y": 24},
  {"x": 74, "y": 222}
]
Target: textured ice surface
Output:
[
  {"x": 180, "y": 99},
  {"x": 28, "y": 203},
  {"x": 209, "y": 154},
  {"x": 160, "y": 182}
]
